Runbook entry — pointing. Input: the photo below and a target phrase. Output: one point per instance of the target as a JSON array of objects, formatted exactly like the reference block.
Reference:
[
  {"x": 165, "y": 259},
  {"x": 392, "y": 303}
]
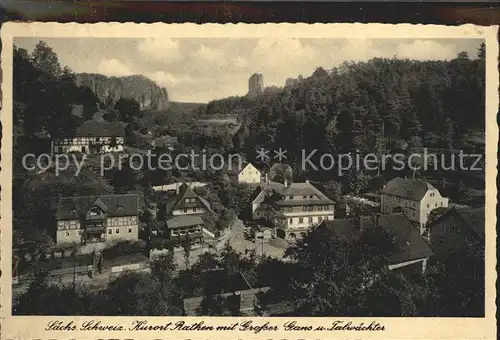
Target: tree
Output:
[
  {"x": 186, "y": 245},
  {"x": 133, "y": 294},
  {"x": 281, "y": 173},
  {"x": 338, "y": 274},
  {"x": 356, "y": 180},
  {"x": 333, "y": 189},
  {"x": 46, "y": 60},
  {"x": 163, "y": 268},
  {"x": 129, "y": 109},
  {"x": 481, "y": 51}
]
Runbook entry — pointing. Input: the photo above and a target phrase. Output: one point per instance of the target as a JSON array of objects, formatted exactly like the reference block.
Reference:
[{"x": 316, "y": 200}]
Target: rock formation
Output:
[
  {"x": 255, "y": 85},
  {"x": 110, "y": 89}
]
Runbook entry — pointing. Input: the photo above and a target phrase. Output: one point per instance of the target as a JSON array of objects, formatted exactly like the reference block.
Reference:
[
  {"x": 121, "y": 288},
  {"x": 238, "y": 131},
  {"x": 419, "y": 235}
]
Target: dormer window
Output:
[
  {"x": 94, "y": 211},
  {"x": 120, "y": 208}
]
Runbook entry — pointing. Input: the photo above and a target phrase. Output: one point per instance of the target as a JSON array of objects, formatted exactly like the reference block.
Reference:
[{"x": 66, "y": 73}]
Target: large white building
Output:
[
  {"x": 92, "y": 137},
  {"x": 293, "y": 208},
  {"x": 415, "y": 198}
]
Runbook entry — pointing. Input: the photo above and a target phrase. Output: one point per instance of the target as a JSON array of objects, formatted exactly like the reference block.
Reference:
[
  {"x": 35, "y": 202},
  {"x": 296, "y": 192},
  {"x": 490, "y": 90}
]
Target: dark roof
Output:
[
  {"x": 184, "y": 221},
  {"x": 296, "y": 189},
  {"x": 409, "y": 245},
  {"x": 412, "y": 189},
  {"x": 474, "y": 218},
  {"x": 177, "y": 201},
  {"x": 93, "y": 128},
  {"x": 114, "y": 205}
]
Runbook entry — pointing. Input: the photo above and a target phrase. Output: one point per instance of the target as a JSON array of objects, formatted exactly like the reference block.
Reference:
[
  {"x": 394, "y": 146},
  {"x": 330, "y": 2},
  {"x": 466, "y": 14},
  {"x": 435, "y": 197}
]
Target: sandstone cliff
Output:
[{"x": 110, "y": 89}]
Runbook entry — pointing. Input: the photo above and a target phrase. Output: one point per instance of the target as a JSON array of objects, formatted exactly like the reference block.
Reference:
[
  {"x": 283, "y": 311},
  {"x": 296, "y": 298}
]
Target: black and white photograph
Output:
[{"x": 249, "y": 176}]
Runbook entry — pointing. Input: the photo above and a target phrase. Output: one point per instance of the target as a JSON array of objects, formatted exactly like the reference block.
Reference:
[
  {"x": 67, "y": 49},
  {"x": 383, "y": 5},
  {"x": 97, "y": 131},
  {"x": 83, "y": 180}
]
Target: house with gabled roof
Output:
[
  {"x": 247, "y": 173},
  {"x": 411, "y": 252},
  {"x": 292, "y": 208},
  {"x": 415, "y": 198},
  {"x": 92, "y": 137},
  {"x": 454, "y": 228},
  {"x": 97, "y": 219},
  {"x": 184, "y": 215}
]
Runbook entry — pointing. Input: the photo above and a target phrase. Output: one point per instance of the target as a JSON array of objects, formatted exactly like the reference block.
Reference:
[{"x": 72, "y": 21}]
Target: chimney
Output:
[
  {"x": 307, "y": 181},
  {"x": 286, "y": 182},
  {"x": 177, "y": 186},
  {"x": 267, "y": 178}
]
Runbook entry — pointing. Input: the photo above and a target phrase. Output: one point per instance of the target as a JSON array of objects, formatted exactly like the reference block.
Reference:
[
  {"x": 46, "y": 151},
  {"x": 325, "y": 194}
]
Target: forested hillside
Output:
[{"x": 371, "y": 106}]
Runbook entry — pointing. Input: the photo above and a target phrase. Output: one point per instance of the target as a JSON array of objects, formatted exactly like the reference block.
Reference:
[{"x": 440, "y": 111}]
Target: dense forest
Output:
[{"x": 369, "y": 106}]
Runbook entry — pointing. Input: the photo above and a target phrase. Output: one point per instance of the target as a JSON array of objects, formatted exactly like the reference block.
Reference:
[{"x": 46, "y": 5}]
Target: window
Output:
[
  {"x": 194, "y": 209},
  {"x": 310, "y": 196},
  {"x": 291, "y": 221},
  {"x": 441, "y": 203},
  {"x": 94, "y": 211},
  {"x": 432, "y": 194},
  {"x": 301, "y": 220},
  {"x": 185, "y": 210},
  {"x": 304, "y": 208},
  {"x": 67, "y": 233},
  {"x": 291, "y": 197},
  {"x": 130, "y": 230},
  {"x": 435, "y": 204},
  {"x": 320, "y": 207},
  {"x": 320, "y": 219},
  {"x": 290, "y": 209},
  {"x": 110, "y": 231},
  {"x": 454, "y": 229},
  {"x": 427, "y": 206},
  {"x": 117, "y": 231},
  {"x": 440, "y": 239},
  {"x": 304, "y": 197},
  {"x": 310, "y": 219}
]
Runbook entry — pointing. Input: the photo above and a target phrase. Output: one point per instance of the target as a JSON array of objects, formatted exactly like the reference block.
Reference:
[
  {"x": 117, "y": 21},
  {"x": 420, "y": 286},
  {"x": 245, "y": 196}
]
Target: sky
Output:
[{"x": 204, "y": 69}]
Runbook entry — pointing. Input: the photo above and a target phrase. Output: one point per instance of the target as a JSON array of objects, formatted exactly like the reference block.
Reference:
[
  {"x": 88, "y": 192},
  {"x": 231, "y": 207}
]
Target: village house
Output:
[
  {"x": 415, "y": 198},
  {"x": 293, "y": 208},
  {"x": 455, "y": 228},
  {"x": 183, "y": 215},
  {"x": 92, "y": 137},
  {"x": 247, "y": 174},
  {"x": 94, "y": 219},
  {"x": 411, "y": 252}
]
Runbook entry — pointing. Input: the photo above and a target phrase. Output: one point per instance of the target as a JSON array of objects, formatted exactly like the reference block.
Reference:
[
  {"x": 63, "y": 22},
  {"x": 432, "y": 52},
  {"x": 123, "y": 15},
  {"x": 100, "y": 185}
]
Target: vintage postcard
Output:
[{"x": 277, "y": 181}]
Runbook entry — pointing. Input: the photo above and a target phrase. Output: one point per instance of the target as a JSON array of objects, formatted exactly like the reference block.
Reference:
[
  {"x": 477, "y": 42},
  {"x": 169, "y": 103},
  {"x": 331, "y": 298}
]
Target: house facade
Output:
[
  {"x": 97, "y": 219},
  {"x": 415, "y": 198},
  {"x": 183, "y": 216},
  {"x": 293, "y": 208},
  {"x": 92, "y": 137},
  {"x": 411, "y": 252},
  {"x": 246, "y": 174},
  {"x": 454, "y": 229}
]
